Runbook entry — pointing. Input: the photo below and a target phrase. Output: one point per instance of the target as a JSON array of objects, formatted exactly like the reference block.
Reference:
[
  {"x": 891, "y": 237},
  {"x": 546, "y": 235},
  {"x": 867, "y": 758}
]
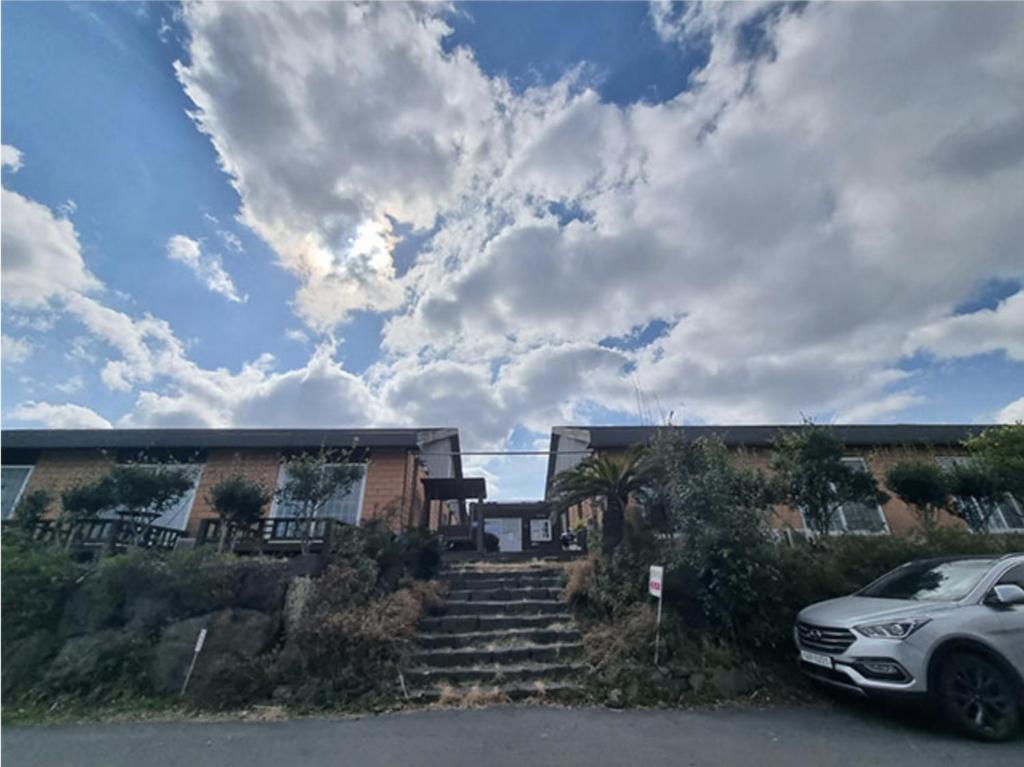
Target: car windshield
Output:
[{"x": 930, "y": 581}]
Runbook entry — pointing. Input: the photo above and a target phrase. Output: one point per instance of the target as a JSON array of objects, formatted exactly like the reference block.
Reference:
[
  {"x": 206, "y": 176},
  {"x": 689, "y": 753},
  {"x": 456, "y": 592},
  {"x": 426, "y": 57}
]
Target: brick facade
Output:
[
  {"x": 901, "y": 518},
  {"x": 261, "y": 466},
  {"x": 57, "y": 470}
]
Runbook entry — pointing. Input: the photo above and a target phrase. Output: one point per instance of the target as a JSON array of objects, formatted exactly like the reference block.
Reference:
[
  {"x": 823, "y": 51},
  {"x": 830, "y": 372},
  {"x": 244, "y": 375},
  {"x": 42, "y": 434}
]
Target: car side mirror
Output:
[{"x": 1005, "y": 594}]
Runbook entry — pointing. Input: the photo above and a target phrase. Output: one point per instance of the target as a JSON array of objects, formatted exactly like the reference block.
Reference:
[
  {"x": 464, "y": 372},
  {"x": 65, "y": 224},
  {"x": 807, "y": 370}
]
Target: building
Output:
[
  {"x": 394, "y": 464},
  {"x": 873, "y": 448}
]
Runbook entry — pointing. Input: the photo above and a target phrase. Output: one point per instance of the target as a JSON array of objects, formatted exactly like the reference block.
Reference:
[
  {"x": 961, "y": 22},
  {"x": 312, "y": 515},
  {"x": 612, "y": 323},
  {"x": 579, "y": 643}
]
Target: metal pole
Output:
[{"x": 657, "y": 633}]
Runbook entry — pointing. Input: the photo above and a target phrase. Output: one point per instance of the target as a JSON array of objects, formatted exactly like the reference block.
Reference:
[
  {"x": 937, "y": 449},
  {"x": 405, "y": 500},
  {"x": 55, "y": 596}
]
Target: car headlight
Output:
[{"x": 898, "y": 629}]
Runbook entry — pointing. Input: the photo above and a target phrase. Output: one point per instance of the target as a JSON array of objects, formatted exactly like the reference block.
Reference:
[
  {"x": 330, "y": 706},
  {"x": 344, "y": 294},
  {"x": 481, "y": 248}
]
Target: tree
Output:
[
  {"x": 146, "y": 491},
  {"x": 811, "y": 475},
  {"x": 976, "y": 491},
  {"x": 1000, "y": 452},
  {"x": 311, "y": 480},
  {"x": 922, "y": 486},
  {"x": 86, "y": 500},
  {"x": 609, "y": 479},
  {"x": 237, "y": 500},
  {"x": 31, "y": 508}
]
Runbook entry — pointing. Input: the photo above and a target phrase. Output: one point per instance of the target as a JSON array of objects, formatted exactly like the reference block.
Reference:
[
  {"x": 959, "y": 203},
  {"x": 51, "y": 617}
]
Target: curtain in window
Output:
[{"x": 12, "y": 481}]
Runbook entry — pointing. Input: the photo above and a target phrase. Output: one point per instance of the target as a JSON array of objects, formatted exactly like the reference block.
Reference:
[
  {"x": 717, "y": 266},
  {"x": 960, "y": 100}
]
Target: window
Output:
[
  {"x": 1008, "y": 514},
  {"x": 1014, "y": 576},
  {"x": 864, "y": 518},
  {"x": 177, "y": 516},
  {"x": 347, "y": 506},
  {"x": 14, "y": 479},
  {"x": 945, "y": 581}
]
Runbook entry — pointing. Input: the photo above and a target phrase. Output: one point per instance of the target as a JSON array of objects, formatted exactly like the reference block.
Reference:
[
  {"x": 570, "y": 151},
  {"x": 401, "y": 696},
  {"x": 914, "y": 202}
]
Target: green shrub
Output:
[{"x": 36, "y": 582}]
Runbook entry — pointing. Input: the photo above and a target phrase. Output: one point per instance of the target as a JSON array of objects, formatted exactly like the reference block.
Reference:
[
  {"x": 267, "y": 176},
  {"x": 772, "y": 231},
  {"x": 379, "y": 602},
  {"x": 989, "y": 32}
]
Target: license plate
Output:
[{"x": 816, "y": 658}]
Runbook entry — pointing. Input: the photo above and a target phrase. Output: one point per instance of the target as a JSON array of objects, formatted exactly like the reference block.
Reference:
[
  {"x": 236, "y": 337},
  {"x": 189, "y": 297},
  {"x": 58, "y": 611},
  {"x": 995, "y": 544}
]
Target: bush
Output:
[{"x": 36, "y": 582}]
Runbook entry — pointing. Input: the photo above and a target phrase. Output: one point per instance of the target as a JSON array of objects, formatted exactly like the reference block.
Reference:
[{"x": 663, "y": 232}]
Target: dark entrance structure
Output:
[{"x": 454, "y": 523}]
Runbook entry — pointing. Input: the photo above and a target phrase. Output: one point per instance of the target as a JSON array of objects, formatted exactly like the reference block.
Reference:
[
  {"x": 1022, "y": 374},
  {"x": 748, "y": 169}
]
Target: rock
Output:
[
  {"x": 297, "y": 598},
  {"x": 615, "y": 699},
  {"x": 80, "y": 615},
  {"x": 731, "y": 682},
  {"x": 145, "y": 613},
  {"x": 229, "y": 632},
  {"x": 87, "y": 662},
  {"x": 697, "y": 681},
  {"x": 262, "y": 585},
  {"x": 23, "y": 659}
]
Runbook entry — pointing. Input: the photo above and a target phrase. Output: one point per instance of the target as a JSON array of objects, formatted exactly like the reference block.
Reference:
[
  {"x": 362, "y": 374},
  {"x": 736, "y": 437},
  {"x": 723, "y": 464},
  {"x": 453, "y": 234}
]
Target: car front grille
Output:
[{"x": 833, "y": 641}]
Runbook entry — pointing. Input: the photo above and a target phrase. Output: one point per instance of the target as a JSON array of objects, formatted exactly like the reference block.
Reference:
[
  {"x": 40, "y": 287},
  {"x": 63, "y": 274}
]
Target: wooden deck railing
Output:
[
  {"x": 271, "y": 534},
  {"x": 110, "y": 534}
]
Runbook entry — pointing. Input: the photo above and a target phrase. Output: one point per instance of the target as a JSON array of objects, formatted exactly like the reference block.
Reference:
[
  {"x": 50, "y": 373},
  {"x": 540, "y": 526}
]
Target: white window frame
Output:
[
  {"x": 283, "y": 470},
  {"x": 21, "y": 490},
  {"x": 948, "y": 461},
  {"x": 840, "y": 516},
  {"x": 185, "y": 504}
]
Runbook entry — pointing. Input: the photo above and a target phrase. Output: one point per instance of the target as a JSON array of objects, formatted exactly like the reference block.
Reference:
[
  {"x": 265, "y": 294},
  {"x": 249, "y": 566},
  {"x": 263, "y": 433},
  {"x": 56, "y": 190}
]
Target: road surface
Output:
[{"x": 518, "y": 737}]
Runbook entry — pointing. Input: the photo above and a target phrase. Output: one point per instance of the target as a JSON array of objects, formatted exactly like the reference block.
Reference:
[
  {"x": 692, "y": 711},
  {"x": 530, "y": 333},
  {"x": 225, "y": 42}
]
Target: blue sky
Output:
[{"x": 505, "y": 216}]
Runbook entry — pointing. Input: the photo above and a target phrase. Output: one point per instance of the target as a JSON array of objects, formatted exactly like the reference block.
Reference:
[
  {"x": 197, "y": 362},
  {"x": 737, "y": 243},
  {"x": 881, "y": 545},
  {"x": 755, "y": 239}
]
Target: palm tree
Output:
[{"x": 611, "y": 479}]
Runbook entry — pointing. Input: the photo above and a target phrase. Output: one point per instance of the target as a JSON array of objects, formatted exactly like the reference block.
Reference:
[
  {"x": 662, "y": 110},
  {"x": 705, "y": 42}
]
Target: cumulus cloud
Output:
[
  {"x": 985, "y": 330},
  {"x": 15, "y": 350},
  {"x": 10, "y": 157},
  {"x": 1012, "y": 413},
  {"x": 42, "y": 255},
  {"x": 66, "y": 416},
  {"x": 330, "y": 118},
  {"x": 207, "y": 267}
]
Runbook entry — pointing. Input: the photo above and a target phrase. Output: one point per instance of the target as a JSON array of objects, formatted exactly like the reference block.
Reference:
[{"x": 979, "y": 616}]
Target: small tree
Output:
[
  {"x": 311, "y": 480},
  {"x": 922, "y": 486},
  {"x": 1000, "y": 452},
  {"x": 86, "y": 500},
  {"x": 237, "y": 500},
  {"x": 976, "y": 491},
  {"x": 610, "y": 480},
  {"x": 31, "y": 508},
  {"x": 144, "y": 492},
  {"x": 811, "y": 475}
]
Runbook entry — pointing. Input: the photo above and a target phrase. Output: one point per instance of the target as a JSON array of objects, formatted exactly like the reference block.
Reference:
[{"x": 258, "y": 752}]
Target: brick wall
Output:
[
  {"x": 260, "y": 466},
  {"x": 901, "y": 518},
  {"x": 58, "y": 470},
  {"x": 387, "y": 494}
]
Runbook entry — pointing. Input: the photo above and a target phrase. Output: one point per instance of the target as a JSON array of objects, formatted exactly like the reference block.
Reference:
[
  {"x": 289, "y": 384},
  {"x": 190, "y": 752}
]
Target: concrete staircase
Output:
[{"x": 504, "y": 634}]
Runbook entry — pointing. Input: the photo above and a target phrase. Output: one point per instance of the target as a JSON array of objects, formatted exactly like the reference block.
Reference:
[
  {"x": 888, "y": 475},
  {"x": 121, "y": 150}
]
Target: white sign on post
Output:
[
  {"x": 654, "y": 586},
  {"x": 655, "y": 581}
]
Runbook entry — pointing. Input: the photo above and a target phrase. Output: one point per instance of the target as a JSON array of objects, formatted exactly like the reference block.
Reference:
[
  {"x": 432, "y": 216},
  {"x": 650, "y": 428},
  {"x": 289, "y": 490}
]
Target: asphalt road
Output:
[{"x": 523, "y": 737}]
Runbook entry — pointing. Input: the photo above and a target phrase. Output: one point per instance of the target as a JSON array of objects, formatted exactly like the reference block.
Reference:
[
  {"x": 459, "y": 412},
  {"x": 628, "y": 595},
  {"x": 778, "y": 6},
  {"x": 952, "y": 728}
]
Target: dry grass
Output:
[
  {"x": 473, "y": 697},
  {"x": 509, "y": 567}
]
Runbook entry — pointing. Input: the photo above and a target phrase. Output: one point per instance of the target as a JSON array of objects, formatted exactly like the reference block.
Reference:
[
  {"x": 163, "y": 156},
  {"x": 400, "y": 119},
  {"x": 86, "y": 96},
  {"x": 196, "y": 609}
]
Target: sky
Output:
[{"x": 504, "y": 217}]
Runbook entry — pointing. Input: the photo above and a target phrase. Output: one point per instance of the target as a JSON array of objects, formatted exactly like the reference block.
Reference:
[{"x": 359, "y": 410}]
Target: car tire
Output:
[{"x": 979, "y": 697}]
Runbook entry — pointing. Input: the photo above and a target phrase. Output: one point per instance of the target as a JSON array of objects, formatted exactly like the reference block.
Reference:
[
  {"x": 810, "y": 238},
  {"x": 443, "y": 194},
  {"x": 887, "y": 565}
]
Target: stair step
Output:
[
  {"x": 478, "y": 638},
  {"x": 506, "y": 582},
  {"x": 470, "y": 574},
  {"x": 502, "y": 595},
  {"x": 522, "y": 607},
  {"x": 461, "y": 624},
  {"x": 482, "y": 656},
  {"x": 476, "y": 693},
  {"x": 424, "y": 676}
]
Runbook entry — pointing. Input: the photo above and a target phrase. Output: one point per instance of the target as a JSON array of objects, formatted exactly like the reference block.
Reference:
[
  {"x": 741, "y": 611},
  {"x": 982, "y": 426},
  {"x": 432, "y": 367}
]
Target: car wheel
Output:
[{"x": 979, "y": 697}]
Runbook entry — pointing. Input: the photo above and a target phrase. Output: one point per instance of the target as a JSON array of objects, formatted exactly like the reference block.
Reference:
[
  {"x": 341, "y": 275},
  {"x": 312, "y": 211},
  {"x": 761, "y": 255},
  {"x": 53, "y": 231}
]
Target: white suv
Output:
[{"x": 951, "y": 628}]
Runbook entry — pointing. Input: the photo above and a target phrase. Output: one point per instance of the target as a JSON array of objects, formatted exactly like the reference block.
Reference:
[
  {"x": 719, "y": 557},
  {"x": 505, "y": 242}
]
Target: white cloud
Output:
[
  {"x": 329, "y": 117},
  {"x": 1012, "y": 413},
  {"x": 985, "y": 330},
  {"x": 71, "y": 385},
  {"x": 66, "y": 416},
  {"x": 207, "y": 267},
  {"x": 42, "y": 255},
  {"x": 10, "y": 157},
  {"x": 15, "y": 350}
]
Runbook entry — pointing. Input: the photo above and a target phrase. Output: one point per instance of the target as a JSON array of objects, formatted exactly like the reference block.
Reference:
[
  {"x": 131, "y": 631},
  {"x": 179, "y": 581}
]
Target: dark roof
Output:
[
  {"x": 867, "y": 435},
  {"x": 765, "y": 436},
  {"x": 197, "y": 439}
]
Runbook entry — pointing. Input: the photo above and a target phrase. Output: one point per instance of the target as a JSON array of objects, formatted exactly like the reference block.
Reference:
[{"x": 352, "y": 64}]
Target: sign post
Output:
[
  {"x": 195, "y": 654},
  {"x": 654, "y": 586}
]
